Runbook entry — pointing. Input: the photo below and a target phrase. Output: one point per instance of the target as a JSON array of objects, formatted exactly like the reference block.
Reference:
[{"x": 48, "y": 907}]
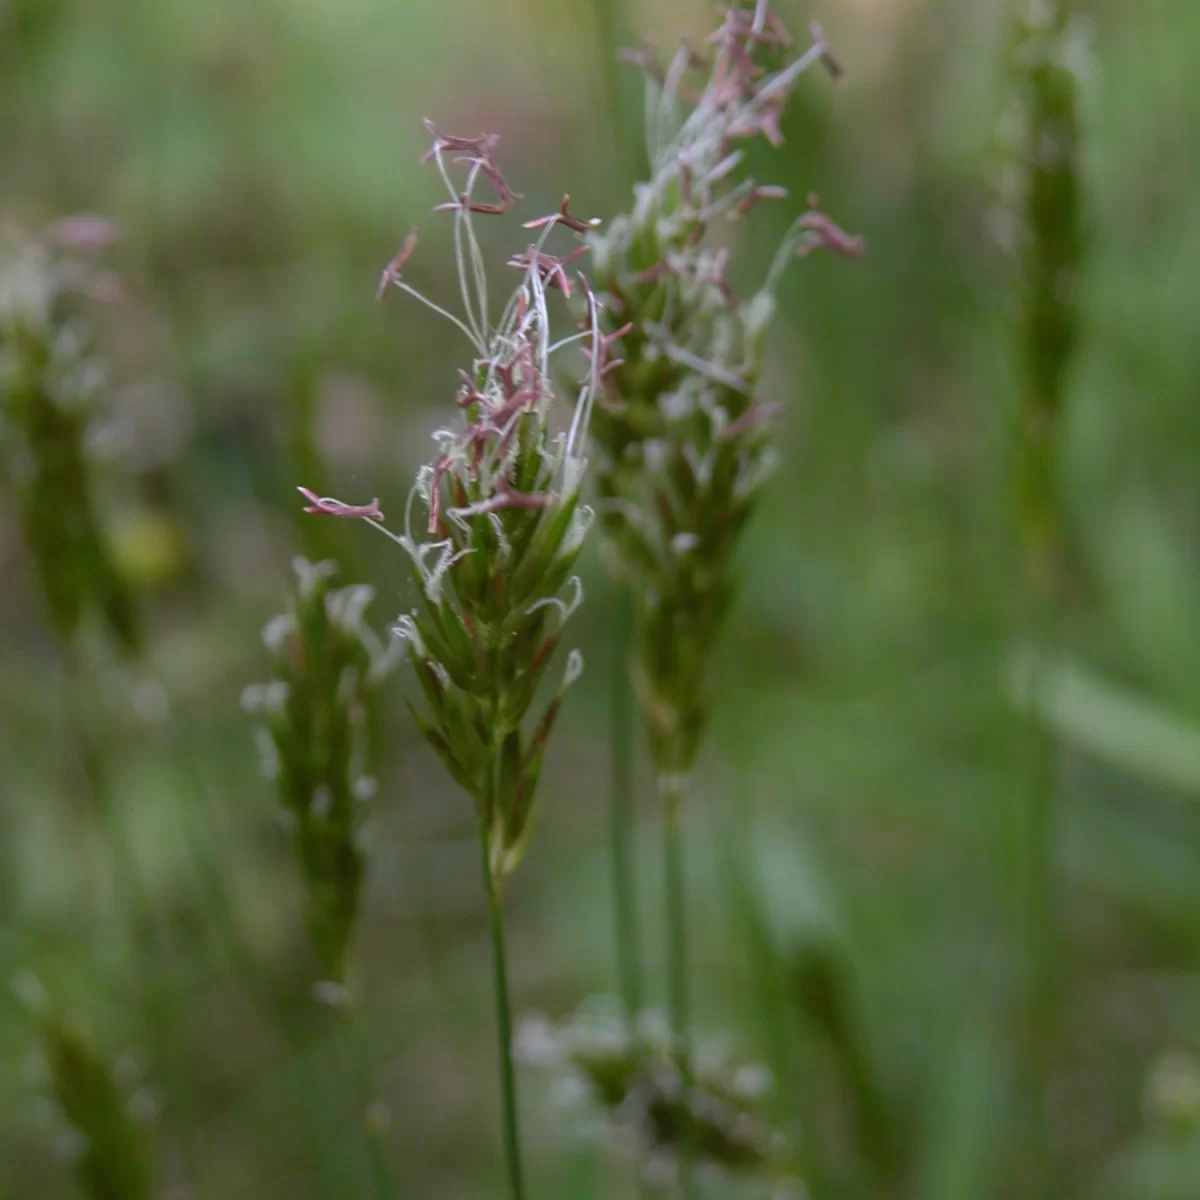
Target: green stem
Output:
[
  {"x": 373, "y": 1131},
  {"x": 1039, "y": 525},
  {"x": 621, "y": 816},
  {"x": 626, "y": 124},
  {"x": 208, "y": 853},
  {"x": 671, "y": 789},
  {"x": 1040, "y": 923},
  {"x": 151, "y": 965},
  {"x": 677, "y": 989},
  {"x": 508, "y": 1089}
]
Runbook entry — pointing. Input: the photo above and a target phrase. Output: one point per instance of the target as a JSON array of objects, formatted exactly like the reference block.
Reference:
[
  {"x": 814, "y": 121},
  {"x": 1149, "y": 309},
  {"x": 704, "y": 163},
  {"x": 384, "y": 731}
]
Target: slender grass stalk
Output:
[
  {"x": 678, "y": 1000},
  {"x": 374, "y": 1124},
  {"x": 508, "y": 1087},
  {"x": 1040, "y": 919},
  {"x": 133, "y": 896},
  {"x": 763, "y": 944},
  {"x": 611, "y": 22},
  {"x": 1045, "y": 234},
  {"x": 675, "y": 894},
  {"x": 621, "y": 813},
  {"x": 207, "y": 854},
  {"x": 149, "y": 945}
]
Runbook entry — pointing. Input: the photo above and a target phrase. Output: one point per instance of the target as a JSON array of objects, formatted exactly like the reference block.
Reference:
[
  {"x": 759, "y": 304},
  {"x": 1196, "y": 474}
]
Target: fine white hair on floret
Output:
[
  {"x": 437, "y": 577},
  {"x": 420, "y": 551},
  {"x": 504, "y": 546},
  {"x": 405, "y": 630},
  {"x": 422, "y": 487},
  {"x": 581, "y": 522},
  {"x": 573, "y": 670},
  {"x": 566, "y": 608}
]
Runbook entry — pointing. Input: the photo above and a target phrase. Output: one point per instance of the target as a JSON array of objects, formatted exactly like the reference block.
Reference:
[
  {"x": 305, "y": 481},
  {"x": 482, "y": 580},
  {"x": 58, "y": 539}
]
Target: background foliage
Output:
[{"x": 867, "y": 758}]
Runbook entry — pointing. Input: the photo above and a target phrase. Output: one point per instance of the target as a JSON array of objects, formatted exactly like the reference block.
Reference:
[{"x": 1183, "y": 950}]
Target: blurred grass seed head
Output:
[
  {"x": 100, "y": 1108},
  {"x": 683, "y": 436},
  {"x": 51, "y": 392},
  {"x": 319, "y": 745}
]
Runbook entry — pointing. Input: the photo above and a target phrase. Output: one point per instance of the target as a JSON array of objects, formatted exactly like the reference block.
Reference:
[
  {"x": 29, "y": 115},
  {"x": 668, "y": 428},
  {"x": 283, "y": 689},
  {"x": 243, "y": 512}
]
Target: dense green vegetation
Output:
[{"x": 859, "y": 871}]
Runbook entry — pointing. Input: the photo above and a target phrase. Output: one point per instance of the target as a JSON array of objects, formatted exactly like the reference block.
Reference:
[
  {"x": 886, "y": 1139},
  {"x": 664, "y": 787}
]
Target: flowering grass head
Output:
[
  {"x": 316, "y": 739},
  {"x": 51, "y": 388},
  {"x": 1039, "y": 221},
  {"x": 626, "y": 1085},
  {"x": 99, "y": 1108},
  {"x": 494, "y": 523},
  {"x": 682, "y": 432}
]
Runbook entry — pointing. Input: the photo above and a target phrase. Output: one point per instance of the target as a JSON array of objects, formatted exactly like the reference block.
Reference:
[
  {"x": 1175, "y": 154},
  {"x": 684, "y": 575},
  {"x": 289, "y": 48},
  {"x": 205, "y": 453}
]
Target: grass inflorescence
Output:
[
  {"x": 682, "y": 431},
  {"x": 319, "y": 742},
  {"x": 630, "y": 1081},
  {"x": 492, "y": 530},
  {"x": 99, "y": 1107},
  {"x": 52, "y": 389}
]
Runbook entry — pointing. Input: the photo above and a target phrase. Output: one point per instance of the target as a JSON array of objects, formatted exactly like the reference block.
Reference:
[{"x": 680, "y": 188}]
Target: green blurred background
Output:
[{"x": 261, "y": 157}]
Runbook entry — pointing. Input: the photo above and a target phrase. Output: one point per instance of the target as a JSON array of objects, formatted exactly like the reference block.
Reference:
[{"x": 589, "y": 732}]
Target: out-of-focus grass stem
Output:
[
  {"x": 367, "y": 1105},
  {"x": 626, "y": 130},
  {"x": 1048, "y": 243},
  {"x": 678, "y": 999},
  {"x": 206, "y": 853},
  {"x": 621, "y": 811},
  {"x": 625, "y": 117}
]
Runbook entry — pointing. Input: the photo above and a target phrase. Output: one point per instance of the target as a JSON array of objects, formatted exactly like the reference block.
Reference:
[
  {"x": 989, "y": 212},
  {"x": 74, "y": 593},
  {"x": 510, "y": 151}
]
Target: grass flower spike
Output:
[
  {"x": 316, "y": 742},
  {"x": 100, "y": 1108},
  {"x": 114, "y": 1158},
  {"x": 1040, "y": 222},
  {"x": 50, "y": 391},
  {"x": 628, "y": 1080},
  {"x": 495, "y": 522},
  {"x": 492, "y": 528},
  {"x": 683, "y": 436}
]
